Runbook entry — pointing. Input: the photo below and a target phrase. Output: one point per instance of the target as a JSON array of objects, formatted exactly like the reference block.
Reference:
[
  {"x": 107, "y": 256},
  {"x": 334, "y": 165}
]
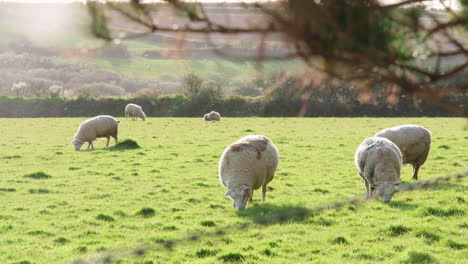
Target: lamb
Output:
[
  {"x": 413, "y": 141},
  {"x": 135, "y": 111},
  {"x": 245, "y": 166},
  {"x": 99, "y": 126},
  {"x": 378, "y": 161},
  {"x": 212, "y": 116}
]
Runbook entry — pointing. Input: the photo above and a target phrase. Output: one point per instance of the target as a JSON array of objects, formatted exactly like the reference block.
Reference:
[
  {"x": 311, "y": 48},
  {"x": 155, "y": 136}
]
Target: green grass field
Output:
[
  {"x": 94, "y": 203},
  {"x": 213, "y": 67}
]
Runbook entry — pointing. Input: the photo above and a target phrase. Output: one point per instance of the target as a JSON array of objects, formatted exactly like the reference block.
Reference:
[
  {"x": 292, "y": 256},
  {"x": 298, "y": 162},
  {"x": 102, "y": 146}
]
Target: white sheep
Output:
[
  {"x": 135, "y": 111},
  {"x": 99, "y": 126},
  {"x": 378, "y": 161},
  {"x": 413, "y": 141},
  {"x": 245, "y": 166},
  {"x": 212, "y": 116}
]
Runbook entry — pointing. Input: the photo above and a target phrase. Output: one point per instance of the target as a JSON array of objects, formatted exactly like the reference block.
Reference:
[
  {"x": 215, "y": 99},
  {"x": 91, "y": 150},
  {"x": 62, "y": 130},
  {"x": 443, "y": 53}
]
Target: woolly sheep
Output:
[
  {"x": 245, "y": 166},
  {"x": 413, "y": 141},
  {"x": 212, "y": 116},
  {"x": 134, "y": 111},
  {"x": 99, "y": 126},
  {"x": 378, "y": 161}
]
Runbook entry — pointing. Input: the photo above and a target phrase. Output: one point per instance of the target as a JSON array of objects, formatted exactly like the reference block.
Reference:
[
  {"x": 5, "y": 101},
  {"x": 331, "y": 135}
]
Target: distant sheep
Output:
[
  {"x": 378, "y": 161},
  {"x": 413, "y": 141},
  {"x": 212, "y": 116},
  {"x": 99, "y": 126},
  {"x": 135, "y": 111},
  {"x": 245, "y": 166}
]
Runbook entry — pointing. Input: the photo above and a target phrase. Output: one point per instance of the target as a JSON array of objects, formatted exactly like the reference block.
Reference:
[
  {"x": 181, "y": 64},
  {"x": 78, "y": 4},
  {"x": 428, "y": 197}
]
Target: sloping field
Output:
[{"x": 162, "y": 203}]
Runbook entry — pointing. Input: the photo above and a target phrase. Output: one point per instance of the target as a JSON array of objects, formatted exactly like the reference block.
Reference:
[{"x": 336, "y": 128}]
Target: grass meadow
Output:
[
  {"x": 166, "y": 200},
  {"x": 224, "y": 69}
]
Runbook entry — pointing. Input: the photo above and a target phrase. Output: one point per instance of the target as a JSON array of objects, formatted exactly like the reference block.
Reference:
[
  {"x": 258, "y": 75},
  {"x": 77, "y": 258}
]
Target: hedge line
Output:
[{"x": 183, "y": 106}]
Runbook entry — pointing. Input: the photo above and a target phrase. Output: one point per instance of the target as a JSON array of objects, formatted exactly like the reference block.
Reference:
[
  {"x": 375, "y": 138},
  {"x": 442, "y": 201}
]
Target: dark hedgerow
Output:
[{"x": 186, "y": 106}]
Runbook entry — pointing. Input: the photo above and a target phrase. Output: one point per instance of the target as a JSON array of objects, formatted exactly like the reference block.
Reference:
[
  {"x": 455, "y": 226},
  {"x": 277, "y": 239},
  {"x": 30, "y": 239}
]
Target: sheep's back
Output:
[
  {"x": 133, "y": 109},
  {"x": 412, "y": 140},
  {"x": 100, "y": 126},
  {"x": 377, "y": 150},
  {"x": 248, "y": 162}
]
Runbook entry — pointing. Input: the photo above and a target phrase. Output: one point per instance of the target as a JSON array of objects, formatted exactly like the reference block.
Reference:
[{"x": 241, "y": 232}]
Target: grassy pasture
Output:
[
  {"x": 88, "y": 203},
  {"x": 212, "y": 67}
]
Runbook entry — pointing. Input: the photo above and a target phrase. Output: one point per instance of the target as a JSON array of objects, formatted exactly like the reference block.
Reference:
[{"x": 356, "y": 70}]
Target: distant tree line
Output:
[{"x": 231, "y": 106}]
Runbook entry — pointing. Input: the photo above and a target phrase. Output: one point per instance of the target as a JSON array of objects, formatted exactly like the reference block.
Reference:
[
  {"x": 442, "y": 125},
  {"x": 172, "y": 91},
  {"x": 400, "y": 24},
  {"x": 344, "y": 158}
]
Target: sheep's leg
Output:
[
  {"x": 107, "y": 144},
  {"x": 264, "y": 189},
  {"x": 368, "y": 194},
  {"x": 415, "y": 171},
  {"x": 372, "y": 190},
  {"x": 115, "y": 140},
  {"x": 251, "y": 198},
  {"x": 89, "y": 145},
  {"x": 367, "y": 184}
]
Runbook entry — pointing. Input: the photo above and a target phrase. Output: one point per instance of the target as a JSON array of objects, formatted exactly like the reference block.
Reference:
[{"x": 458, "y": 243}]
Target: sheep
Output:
[
  {"x": 413, "y": 141},
  {"x": 135, "y": 111},
  {"x": 245, "y": 166},
  {"x": 99, "y": 126},
  {"x": 212, "y": 116},
  {"x": 378, "y": 161}
]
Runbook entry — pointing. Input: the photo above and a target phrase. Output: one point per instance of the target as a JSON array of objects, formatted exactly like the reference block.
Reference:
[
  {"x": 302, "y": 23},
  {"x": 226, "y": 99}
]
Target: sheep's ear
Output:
[
  {"x": 397, "y": 183},
  {"x": 227, "y": 194}
]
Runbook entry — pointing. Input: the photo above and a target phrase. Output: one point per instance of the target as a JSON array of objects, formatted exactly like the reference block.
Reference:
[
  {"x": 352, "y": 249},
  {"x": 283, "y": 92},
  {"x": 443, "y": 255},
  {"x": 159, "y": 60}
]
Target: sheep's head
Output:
[
  {"x": 77, "y": 143},
  {"x": 143, "y": 116},
  {"x": 240, "y": 196},
  {"x": 207, "y": 118},
  {"x": 386, "y": 190}
]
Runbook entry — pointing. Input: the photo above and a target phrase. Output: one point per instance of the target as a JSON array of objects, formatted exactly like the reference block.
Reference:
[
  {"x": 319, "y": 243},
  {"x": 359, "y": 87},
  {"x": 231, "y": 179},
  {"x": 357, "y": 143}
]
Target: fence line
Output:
[{"x": 295, "y": 214}]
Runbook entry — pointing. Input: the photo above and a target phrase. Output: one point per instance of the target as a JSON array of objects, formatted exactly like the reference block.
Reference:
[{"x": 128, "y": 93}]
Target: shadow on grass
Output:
[
  {"x": 266, "y": 214},
  {"x": 126, "y": 144},
  {"x": 403, "y": 205},
  {"x": 439, "y": 186}
]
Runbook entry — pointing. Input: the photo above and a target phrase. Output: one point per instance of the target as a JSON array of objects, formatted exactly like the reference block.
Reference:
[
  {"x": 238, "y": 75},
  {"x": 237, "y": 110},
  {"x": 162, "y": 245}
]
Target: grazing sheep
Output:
[
  {"x": 378, "y": 161},
  {"x": 245, "y": 166},
  {"x": 99, "y": 126},
  {"x": 413, "y": 141},
  {"x": 135, "y": 111},
  {"x": 212, "y": 116}
]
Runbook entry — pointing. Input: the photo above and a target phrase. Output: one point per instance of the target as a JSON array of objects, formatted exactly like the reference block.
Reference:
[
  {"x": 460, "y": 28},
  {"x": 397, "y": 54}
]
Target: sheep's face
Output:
[
  {"x": 206, "y": 117},
  {"x": 240, "y": 197},
  {"x": 386, "y": 190},
  {"x": 77, "y": 143}
]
